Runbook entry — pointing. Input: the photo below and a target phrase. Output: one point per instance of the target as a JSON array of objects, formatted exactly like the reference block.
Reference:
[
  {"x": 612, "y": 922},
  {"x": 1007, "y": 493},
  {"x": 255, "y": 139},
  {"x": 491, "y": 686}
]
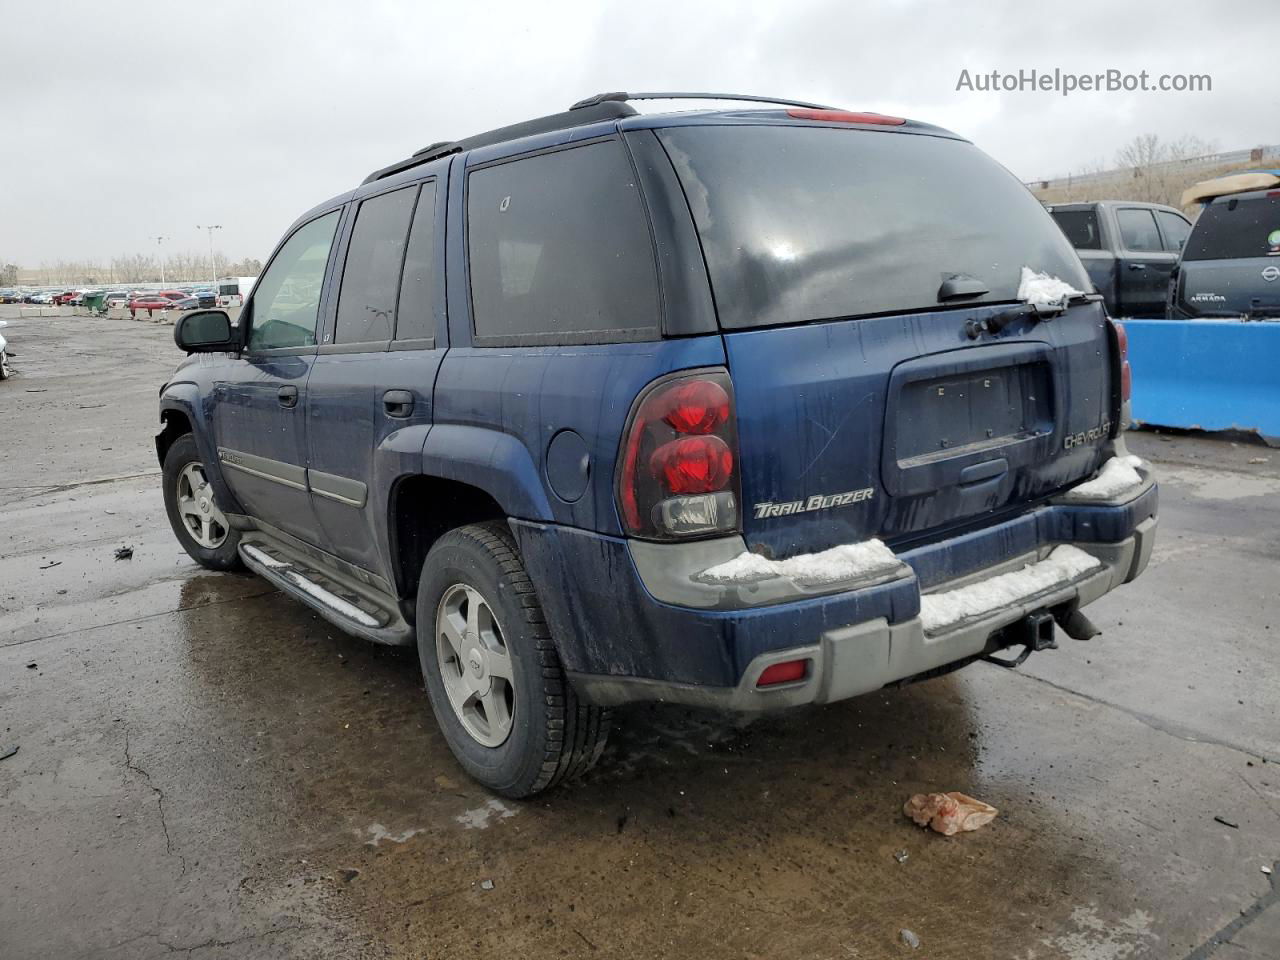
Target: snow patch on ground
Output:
[
  {"x": 848, "y": 561},
  {"x": 480, "y": 817},
  {"x": 377, "y": 833},
  {"x": 1043, "y": 289},
  {"x": 941, "y": 610},
  {"x": 1116, "y": 476}
]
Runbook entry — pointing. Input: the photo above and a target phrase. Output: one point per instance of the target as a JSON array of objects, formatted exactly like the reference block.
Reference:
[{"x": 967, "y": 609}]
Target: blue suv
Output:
[{"x": 746, "y": 408}]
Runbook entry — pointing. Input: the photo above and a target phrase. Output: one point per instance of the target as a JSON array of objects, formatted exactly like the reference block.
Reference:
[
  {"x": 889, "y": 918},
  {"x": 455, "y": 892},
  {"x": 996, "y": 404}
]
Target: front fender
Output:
[
  {"x": 495, "y": 462},
  {"x": 183, "y": 396}
]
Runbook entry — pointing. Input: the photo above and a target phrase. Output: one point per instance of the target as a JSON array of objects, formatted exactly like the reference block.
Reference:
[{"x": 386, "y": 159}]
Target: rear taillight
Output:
[
  {"x": 844, "y": 116},
  {"x": 678, "y": 475},
  {"x": 1126, "y": 373}
]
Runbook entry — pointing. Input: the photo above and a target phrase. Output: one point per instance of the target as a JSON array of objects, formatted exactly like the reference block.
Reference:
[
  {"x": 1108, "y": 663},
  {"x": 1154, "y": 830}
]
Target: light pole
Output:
[
  {"x": 159, "y": 246},
  {"x": 213, "y": 267}
]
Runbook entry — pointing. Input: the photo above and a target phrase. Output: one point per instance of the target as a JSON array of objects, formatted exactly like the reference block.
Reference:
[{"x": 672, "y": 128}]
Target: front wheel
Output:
[
  {"x": 5, "y": 372},
  {"x": 493, "y": 677},
  {"x": 194, "y": 514}
]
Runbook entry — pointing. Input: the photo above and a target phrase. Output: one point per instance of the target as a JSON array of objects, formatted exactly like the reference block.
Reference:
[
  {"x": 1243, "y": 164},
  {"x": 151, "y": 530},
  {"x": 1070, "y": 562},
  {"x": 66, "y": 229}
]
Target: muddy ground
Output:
[{"x": 207, "y": 769}]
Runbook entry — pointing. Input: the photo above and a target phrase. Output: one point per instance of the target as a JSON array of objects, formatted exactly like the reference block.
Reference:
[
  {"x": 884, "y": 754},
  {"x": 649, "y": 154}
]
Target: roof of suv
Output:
[
  {"x": 607, "y": 111},
  {"x": 615, "y": 106}
]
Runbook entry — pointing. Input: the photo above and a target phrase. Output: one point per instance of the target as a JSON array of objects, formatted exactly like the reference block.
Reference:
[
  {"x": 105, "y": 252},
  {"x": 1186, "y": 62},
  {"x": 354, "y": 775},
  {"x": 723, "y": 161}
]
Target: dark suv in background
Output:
[
  {"x": 1231, "y": 264},
  {"x": 744, "y": 408}
]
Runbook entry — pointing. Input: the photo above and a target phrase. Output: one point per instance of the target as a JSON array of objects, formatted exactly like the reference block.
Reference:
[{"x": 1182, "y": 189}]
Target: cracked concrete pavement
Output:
[{"x": 206, "y": 769}]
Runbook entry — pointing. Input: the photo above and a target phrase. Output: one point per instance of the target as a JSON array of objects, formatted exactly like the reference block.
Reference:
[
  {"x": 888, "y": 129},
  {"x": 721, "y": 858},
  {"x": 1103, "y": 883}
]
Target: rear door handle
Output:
[
  {"x": 288, "y": 396},
  {"x": 1137, "y": 266},
  {"x": 398, "y": 403}
]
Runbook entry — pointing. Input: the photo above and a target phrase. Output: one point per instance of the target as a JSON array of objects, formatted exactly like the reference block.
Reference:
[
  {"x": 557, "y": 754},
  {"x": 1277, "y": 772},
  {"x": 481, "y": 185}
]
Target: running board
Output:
[{"x": 355, "y": 611}]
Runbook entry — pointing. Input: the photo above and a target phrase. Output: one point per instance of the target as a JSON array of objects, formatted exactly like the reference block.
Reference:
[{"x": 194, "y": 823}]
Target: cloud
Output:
[{"x": 123, "y": 122}]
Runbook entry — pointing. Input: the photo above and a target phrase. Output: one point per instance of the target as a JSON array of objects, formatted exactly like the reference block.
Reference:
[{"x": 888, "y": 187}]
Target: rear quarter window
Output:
[{"x": 559, "y": 249}]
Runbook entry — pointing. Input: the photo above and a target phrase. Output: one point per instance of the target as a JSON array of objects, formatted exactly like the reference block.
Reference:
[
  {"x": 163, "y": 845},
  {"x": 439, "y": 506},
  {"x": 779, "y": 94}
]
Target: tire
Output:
[
  {"x": 550, "y": 737},
  {"x": 218, "y": 553},
  {"x": 5, "y": 372}
]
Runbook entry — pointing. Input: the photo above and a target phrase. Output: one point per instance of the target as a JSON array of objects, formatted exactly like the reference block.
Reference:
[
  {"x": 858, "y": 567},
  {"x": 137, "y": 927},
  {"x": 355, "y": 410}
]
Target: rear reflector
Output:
[
  {"x": 844, "y": 116},
  {"x": 787, "y": 672}
]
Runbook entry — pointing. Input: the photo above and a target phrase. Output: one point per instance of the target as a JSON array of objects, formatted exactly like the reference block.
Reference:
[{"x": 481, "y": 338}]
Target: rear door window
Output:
[
  {"x": 371, "y": 277},
  {"x": 1138, "y": 230},
  {"x": 1236, "y": 229},
  {"x": 560, "y": 250},
  {"x": 1174, "y": 229},
  {"x": 415, "y": 315},
  {"x": 1081, "y": 228},
  {"x": 809, "y": 223}
]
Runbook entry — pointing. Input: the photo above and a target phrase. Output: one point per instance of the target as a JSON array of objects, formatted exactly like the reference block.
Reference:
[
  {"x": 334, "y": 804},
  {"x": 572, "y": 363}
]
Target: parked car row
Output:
[
  {"x": 1148, "y": 260},
  {"x": 175, "y": 299}
]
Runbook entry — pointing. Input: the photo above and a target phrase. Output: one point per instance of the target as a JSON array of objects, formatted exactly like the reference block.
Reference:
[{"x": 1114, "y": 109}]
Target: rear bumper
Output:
[{"x": 621, "y": 643}]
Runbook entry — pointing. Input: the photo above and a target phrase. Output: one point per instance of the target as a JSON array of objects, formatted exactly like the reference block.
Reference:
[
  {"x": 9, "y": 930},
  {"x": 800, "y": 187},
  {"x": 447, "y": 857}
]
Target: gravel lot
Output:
[{"x": 207, "y": 768}]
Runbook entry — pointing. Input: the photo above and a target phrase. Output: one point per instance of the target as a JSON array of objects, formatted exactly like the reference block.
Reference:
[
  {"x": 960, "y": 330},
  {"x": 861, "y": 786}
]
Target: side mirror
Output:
[{"x": 205, "y": 331}]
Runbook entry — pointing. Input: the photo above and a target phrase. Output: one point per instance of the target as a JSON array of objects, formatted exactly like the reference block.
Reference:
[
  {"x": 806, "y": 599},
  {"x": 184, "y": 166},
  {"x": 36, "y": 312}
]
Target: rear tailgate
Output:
[
  {"x": 864, "y": 406},
  {"x": 1235, "y": 288},
  {"x": 892, "y": 427}
]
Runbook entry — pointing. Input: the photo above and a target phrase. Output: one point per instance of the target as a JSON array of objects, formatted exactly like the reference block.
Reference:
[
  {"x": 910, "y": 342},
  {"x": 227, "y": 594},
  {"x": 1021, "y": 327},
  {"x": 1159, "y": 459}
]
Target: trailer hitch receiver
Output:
[{"x": 1033, "y": 632}]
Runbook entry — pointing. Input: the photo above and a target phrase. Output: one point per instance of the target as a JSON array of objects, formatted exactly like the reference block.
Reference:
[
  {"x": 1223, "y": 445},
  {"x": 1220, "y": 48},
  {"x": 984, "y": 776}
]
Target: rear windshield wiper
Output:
[{"x": 1034, "y": 312}]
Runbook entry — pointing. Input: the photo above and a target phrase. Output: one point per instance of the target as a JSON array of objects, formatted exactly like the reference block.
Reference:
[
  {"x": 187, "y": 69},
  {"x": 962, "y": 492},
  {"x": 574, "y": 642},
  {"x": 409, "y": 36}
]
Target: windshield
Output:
[
  {"x": 1236, "y": 229},
  {"x": 807, "y": 223}
]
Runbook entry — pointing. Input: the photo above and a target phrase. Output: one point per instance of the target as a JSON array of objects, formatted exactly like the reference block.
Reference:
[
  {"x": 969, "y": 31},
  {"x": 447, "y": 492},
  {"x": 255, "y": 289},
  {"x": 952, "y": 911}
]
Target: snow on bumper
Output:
[
  {"x": 1059, "y": 569},
  {"x": 1118, "y": 476}
]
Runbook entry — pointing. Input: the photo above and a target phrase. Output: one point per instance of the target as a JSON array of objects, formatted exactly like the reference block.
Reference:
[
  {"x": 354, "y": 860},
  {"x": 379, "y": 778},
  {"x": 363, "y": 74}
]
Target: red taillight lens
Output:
[
  {"x": 693, "y": 464},
  {"x": 677, "y": 475},
  {"x": 787, "y": 672},
  {"x": 696, "y": 406},
  {"x": 844, "y": 116},
  {"x": 1126, "y": 372}
]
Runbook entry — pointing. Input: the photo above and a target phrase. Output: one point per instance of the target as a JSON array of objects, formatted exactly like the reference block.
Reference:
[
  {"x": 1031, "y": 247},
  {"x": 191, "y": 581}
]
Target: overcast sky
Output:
[{"x": 126, "y": 120}]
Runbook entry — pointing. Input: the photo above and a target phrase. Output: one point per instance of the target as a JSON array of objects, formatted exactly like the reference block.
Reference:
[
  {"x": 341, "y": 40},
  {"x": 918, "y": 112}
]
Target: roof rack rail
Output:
[
  {"x": 672, "y": 95},
  {"x": 605, "y": 110}
]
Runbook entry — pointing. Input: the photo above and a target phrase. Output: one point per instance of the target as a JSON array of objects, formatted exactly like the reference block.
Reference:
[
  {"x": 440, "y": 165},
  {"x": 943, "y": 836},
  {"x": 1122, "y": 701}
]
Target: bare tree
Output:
[{"x": 1158, "y": 168}]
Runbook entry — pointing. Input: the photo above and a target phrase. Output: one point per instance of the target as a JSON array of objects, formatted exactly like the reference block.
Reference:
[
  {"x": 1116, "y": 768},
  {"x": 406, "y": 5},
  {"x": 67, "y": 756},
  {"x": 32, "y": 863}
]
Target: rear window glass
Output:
[
  {"x": 1236, "y": 229},
  {"x": 1174, "y": 228},
  {"x": 1138, "y": 229},
  {"x": 1081, "y": 228},
  {"x": 367, "y": 303},
  {"x": 807, "y": 223},
  {"x": 560, "y": 249}
]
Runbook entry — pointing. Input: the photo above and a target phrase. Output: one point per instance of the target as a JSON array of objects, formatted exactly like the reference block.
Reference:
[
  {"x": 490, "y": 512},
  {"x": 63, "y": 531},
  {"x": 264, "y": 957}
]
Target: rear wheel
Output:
[
  {"x": 194, "y": 514},
  {"x": 5, "y": 372},
  {"x": 491, "y": 670}
]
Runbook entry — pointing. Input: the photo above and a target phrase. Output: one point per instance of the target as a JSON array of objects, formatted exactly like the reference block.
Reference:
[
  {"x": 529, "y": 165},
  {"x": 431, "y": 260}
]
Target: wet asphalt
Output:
[{"x": 206, "y": 769}]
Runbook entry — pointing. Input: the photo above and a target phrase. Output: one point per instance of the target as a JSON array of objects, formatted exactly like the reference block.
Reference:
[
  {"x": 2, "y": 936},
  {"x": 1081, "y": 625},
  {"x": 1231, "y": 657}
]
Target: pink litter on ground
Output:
[{"x": 949, "y": 813}]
